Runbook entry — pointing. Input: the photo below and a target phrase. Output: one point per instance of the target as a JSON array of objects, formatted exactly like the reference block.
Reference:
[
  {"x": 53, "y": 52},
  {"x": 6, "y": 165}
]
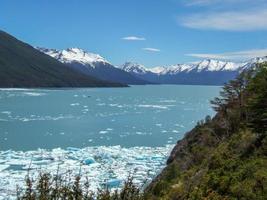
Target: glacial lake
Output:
[{"x": 105, "y": 133}]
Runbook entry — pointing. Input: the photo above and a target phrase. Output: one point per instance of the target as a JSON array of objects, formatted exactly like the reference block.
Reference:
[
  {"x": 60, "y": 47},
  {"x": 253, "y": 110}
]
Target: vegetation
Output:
[
  {"x": 53, "y": 188},
  {"x": 21, "y": 65},
  {"x": 223, "y": 158}
]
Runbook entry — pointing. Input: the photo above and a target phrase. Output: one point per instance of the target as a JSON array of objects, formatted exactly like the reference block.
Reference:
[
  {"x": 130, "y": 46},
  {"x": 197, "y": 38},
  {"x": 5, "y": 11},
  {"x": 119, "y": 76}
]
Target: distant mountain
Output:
[
  {"x": 21, "y": 65},
  {"x": 206, "y": 72},
  {"x": 92, "y": 64}
]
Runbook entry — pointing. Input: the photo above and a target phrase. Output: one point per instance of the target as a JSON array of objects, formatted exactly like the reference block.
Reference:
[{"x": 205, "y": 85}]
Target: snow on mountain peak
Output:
[
  {"x": 205, "y": 65},
  {"x": 134, "y": 67},
  {"x": 71, "y": 55},
  {"x": 157, "y": 70},
  {"x": 216, "y": 65},
  {"x": 258, "y": 60}
]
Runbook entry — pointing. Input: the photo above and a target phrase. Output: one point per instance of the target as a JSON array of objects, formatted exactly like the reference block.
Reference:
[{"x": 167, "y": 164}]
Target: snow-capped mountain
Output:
[
  {"x": 71, "y": 55},
  {"x": 205, "y": 65},
  {"x": 206, "y": 72},
  {"x": 134, "y": 67},
  {"x": 92, "y": 64},
  {"x": 252, "y": 62}
]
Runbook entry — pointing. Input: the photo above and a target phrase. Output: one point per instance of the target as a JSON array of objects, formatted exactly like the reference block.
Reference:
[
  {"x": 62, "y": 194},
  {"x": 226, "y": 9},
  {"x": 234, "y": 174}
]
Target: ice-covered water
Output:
[
  {"x": 108, "y": 133},
  {"x": 101, "y": 165}
]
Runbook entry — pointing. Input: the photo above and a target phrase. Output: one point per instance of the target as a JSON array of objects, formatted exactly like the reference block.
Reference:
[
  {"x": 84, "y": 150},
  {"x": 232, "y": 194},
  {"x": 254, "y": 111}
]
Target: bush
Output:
[{"x": 49, "y": 187}]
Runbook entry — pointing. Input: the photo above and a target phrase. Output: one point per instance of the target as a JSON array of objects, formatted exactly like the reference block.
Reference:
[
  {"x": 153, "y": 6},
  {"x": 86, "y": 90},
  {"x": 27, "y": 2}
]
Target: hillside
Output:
[
  {"x": 23, "y": 66},
  {"x": 224, "y": 157},
  {"x": 93, "y": 65}
]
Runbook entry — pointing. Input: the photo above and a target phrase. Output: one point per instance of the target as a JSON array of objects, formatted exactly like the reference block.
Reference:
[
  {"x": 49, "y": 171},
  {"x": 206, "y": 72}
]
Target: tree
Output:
[
  {"x": 231, "y": 104},
  {"x": 257, "y": 103}
]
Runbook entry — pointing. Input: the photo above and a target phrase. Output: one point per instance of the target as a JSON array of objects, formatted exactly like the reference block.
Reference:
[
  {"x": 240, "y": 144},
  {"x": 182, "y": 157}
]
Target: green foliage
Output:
[
  {"x": 224, "y": 158},
  {"x": 48, "y": 187},
  {"x": 257, "y": 104}
]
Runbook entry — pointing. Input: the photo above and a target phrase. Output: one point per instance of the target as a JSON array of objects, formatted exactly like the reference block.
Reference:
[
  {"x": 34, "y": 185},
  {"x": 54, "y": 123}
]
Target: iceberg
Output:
[
  {"x": 88, "y": 161},
  {"x": 114, "y": 183}
]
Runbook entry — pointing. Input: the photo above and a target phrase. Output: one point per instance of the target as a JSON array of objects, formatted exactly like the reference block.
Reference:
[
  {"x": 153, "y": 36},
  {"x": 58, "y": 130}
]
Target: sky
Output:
[{"x": 149, "y": 32}]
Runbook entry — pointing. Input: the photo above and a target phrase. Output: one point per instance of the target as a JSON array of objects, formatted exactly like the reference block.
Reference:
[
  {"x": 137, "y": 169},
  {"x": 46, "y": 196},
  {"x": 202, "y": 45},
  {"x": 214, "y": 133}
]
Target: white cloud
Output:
[
  {"x": 151, "y": 49},
  {"x": 229, "y": 21},
  {"x": 222, "y": 2},
  {"x": 200, "y": 2},
  {"x": 238, "y": 55},
  {"x": 133, "y": 38},
  {"x": 212, "y": 2}
]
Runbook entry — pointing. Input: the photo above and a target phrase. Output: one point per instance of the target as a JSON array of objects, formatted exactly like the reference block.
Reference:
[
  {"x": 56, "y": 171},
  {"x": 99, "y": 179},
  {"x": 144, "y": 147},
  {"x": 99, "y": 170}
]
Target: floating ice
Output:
[
  {"x": 88, "y": 161},
  {"x": 152, "y": 106},
  {"x": 168, "y": 101},
  {"x": 6, "y": 112},
  {"x": 114, "y": 183},
  {"x": 73, "y": 149},
  {"x": 3, "y": 167},
  {"x": 102, "y": 165},
  {"x": 74, "y": 104},
  {"x": 34, "y": 94},
  {"x": 36, "y": 117},
  {"x": 103, "y": 132}
]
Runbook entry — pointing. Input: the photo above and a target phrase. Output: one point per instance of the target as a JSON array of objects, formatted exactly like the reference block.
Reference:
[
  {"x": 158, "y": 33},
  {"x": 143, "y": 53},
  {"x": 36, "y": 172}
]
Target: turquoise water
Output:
[
  {"x": 137, "y": 116},
  {"x": 102, "y": 134}
]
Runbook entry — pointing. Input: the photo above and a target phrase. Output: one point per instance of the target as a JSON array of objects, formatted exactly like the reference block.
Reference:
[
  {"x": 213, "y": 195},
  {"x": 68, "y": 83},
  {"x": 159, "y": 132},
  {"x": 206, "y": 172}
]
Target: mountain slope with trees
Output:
[
  {"x": 224, "y": 157},
  {"x": 21, "y": 65}
]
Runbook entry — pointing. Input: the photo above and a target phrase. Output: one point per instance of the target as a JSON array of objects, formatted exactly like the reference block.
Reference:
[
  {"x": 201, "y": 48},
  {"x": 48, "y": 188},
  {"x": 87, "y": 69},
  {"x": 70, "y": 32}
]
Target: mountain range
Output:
[
  {"x": 206, "y": 72},
  {"x": 93, "y": 65}
]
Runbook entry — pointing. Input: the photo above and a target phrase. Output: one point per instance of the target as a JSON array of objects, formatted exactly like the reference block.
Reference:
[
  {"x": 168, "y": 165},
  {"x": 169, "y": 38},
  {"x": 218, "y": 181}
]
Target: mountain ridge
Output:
[
  {"x": 93, "y": 65},
  {"x": 206, "y": 72},
  {"x": 21, "y": 65}
]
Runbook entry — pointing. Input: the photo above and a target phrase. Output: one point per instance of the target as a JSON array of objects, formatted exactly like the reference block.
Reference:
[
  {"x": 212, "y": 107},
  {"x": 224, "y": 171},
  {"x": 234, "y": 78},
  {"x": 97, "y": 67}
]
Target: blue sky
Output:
[{"x": 150, "y": 32}]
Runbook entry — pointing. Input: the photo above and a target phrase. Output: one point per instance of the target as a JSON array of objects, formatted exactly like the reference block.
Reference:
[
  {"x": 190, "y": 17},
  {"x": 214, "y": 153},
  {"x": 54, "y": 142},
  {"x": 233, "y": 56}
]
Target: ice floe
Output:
[
  {"x": 153, "y": 106},
  {"x": 74, "y": 104},
  {"x": 102, "y": 165},
  {"x": 11, "y": 117},
  {"x": 34, "y": 94}
]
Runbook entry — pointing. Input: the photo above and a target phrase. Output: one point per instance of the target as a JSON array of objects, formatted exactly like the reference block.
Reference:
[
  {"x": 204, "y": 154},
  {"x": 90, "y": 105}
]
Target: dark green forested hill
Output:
[
  {"x": 224, "y": 157},
  {"x": 23, "y": 66}
]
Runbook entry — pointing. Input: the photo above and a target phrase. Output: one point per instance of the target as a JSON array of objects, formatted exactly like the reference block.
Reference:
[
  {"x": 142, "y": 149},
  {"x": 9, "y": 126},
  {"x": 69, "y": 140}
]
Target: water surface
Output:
[
  {"x": 136, "y": 116},
  {"x": 102, "y": 133}
]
